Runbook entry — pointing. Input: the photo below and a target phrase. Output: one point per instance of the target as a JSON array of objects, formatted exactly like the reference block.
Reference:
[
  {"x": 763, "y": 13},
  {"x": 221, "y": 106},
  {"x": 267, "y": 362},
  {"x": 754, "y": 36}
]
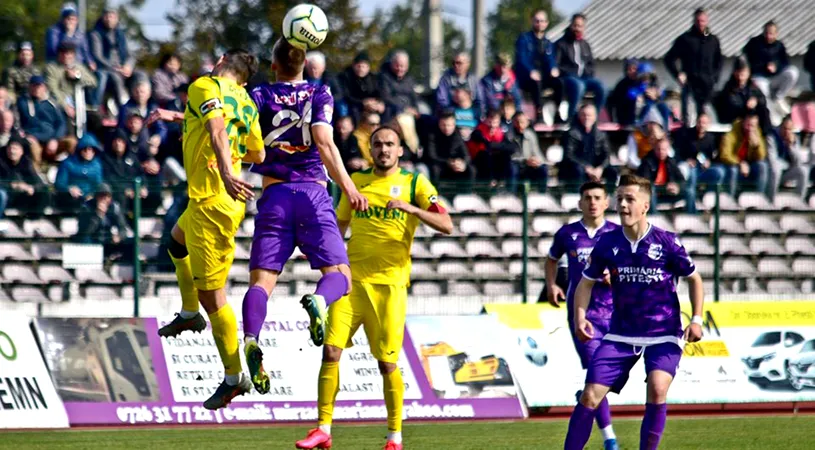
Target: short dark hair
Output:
[
  {"x": 633, "y": 180},
  {"x": 387, "y": 127},
  {"x": 447, "y": 114},
  {"x": 518, "y": 114},
  {"x": 769, "y": 24},
  {"x": 492, "y": 113},
  {"x": 165, "y": 58},
  {"x": 578, "y": 16},
  {"x": 288, "y": 59},
  {"x": 699, "y": 11},
  {"x": 591, "y": 185},
  {"x": 240, "y": 63}
]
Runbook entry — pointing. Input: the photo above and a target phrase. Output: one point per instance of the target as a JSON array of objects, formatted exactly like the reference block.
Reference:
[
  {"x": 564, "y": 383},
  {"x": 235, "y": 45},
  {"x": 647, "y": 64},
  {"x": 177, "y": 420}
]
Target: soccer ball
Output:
[
  {"x": 533, "y": 351},
  {"x": 305, "y": 26}
]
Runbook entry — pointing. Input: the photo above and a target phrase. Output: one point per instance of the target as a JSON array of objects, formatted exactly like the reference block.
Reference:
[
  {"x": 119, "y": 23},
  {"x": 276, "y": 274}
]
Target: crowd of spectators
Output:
[{"x": 472, "y": 130}]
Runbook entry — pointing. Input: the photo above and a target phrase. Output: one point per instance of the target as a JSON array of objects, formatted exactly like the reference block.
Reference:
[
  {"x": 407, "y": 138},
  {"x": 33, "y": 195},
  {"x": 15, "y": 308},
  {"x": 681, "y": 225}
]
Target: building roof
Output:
[{"x": 620, "y": 29}]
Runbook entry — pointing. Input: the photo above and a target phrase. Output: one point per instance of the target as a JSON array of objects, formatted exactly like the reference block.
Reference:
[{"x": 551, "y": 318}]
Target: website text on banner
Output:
[
  {"x": 751, "y": 352},
  {"x": 27, "y": 396},
  {"x": 135, "y": 377}
]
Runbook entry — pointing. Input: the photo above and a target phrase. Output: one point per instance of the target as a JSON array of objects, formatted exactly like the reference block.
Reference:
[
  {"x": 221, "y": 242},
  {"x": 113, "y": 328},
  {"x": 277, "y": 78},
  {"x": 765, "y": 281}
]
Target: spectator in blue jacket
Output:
[
  {"x": 41, "y": 120},
  {"x": 458, "y": 76},
  {"x": 79, "y": 175},
  {"x": 499, "y": 85},
  {"x": 535, "y": 64},
  {"x": 108, "y": 46},
  {"x": 576, "y": 64},
  {"x": 140, "y": 102},
  {"x": 770, "y": 64},
  {"x": 651, "y": 95},
  {"x": 66, "y": 31}
]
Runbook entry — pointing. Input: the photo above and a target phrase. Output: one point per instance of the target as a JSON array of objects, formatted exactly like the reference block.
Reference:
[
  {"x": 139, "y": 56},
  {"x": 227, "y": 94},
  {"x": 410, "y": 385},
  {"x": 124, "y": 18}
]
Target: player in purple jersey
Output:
[
  {"x": 295, "y": 208},
  {"x": 644, "y": 262},
  {"x": 577, "y": 240}
]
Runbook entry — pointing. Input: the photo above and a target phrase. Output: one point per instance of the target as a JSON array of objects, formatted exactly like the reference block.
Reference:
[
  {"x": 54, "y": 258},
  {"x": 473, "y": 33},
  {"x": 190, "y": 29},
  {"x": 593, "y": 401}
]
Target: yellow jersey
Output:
[
  {"x": 379, "y": 249},
  {"x": 211, "y": 97}
]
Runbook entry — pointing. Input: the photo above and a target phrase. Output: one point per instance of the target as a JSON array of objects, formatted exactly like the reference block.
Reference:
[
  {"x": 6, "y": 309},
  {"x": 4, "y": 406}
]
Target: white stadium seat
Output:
[
  {"x": 496, "y": 288},
  {"x": 28, "y": 294},
  {"x": 739, "y": 267},
  {"x": 766, "y": 246},
  {"x": 755, "y": 200},
  {"x": 470, "y": 203},
  {"x": 533, "y": 268},
  {"x": 10, "y": 229},
  {"x": 241, "y": 253},
  {"x": 451, "y": 269},
  {"x": 790, "y": 201},
  {"x": 239, "y": 273},
  {"x": 54, "y": 274},
  {"x": 544, "y": 245},
  {"x": 514, "y": 248},
  {"x": 463, "y": 288},
  {"x": 547, "y": 225},
  {"x": 689, "y": 223},
  {"x": 482, "y": 247},
  {"x": 489, "y": 269},
  {"x": 698, "y": 246},
  {"x": 792, "y": 223},
  {"x": 761, "y": 223},
  {"x": 43, "y": 228},
  {"x": 151, "y": 227},
  {"x": 569, "y": 202},
  {"x": 799, "y": 245},
  {"x": 419, "y": 269},
  {"x": 733, "y": 245},
  {"x": 15, "y": 252},
  {"x": 773, "y": 266},
  {"x": 478, "y": 226},
  {"x": 704, "y": 266},
  {"x": 47, "y": 251},
  {"x": 542, "y": 202},
  {"x": 782, "y": 287},
  {"x": 20, "y": 273},
  {"x": 101, "y": 293},
  {"x": 726, "y": 202},
  {"x": 419, "y": 250},
  {"x": 661, "y": 222},
  {"x": 506, "y": 203},
  {"x": 69, "y": 226},
  {"x": 426, "y": 288},
  {"x": 447, "y": 248},
  {"x": 728, "y": 224},
  {"x": 510, "y": 226},
  {"x": 93, "y": 275},
  {"x": 803, "y": 266}
]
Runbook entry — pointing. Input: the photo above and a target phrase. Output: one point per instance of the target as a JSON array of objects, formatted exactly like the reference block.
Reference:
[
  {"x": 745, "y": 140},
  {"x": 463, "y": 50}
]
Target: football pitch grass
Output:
[{"x": 715, "y": 433}]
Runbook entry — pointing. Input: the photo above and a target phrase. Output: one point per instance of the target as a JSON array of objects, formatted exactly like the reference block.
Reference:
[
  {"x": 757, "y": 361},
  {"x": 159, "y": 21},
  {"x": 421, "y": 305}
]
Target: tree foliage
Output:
[{"x": 510, "y": 19}]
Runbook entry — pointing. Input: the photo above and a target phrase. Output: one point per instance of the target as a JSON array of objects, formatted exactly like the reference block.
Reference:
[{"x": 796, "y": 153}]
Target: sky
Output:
[{"x": 156, "y": 27}]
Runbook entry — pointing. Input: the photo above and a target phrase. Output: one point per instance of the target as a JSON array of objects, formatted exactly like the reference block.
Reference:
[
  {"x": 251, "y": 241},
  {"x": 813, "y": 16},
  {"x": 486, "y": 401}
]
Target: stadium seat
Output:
[
  {"x": 803, "y": 266},
  {"x": 20, "y": 273},
  {"x": 546, "y": 225},
  {"x": 149, "y": 250},
  {"x": 782, "y": 287},
  {"x": 506, "y": 203},
  {"x": 419, "y": 251},
  {"x": 122, "y": 273},
  {"x": 698, "y": 246},
  {"x": 661, "y": 222},
  {"x": 689, "y": 223},
  {"x": 168, "y": 291},
  {"x": 57, "y": 293},
  {"x": 795, "y": 224},
  {"x": 302, "y": 271},
  {"x": 489, "y": 270},
  {"x": 47, "y": 250},
  {"x": 790, "y": 201},
  {"x": 726, "y": 202},
  {"x": 497, "y": 288},
  {"x": 554, "y": 154},
  {"x": 239, "y": 289},
  {"x": 247, "y": 228},
  {"x": 476, "y": 226},
  {"x": 93, "y": 275},
  {"x": 510, "y": 226},
  {"x": 101, "y": 293},
  {"x": 766, "y": 246},
  {"x": 738, "y": 267},
  {"x": 513, "y": 248},
  {"x": 544, "y": 245},
  {"x": 773, "y": 266},
  {"x": 127, "y": 292},
  {"x": 448, "y": 249},
  {"x": 426, "y": 288},
  {"x": 761, "y": 223},
  {"x": 151, "y": 227},
  {"x": 704, "y": 266},
  {"x": 463, "y": 288},
  {"x": 54, "y": 274},
  {"x": 470, "y": 203},
  {"x": 14, "y": 252},
  {"x": 542, "y": 202},
  {"x": 28, "y": 294},
  {"x": 239, "y": 272},
  {"x": 69, "y": 226},
  {"x": 453, "y": 269},
  {"x": 733, "y": 245},
  {"x": 422, "y": 270},
  {"x": 755, "y": 201},
  {"x": 241, "y": 253},
  {"x": 482, "y": 247},
  {"x": 569, "y": 202},
  {"x": 799, "y": 245},
  {"x": 533, "y": 269},
  {"x": 42, "y": 228},
  {"x": 728, "y": 224},
  {"x": 534, "y": 290},
  {"x": 11, "y": 229}
]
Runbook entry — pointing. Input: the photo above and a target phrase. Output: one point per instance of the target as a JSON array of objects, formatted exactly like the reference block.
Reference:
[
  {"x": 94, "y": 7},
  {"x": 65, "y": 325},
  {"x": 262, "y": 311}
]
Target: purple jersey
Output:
[
  {"x": 287, "y": 113},
  {"x": 577, "y": 242},
  {"x": 643, "y": 284}
]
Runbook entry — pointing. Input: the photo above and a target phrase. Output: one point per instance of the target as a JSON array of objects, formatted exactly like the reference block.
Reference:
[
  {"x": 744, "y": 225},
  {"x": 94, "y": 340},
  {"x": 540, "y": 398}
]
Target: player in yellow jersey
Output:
[
  {"x": 221, "y": 130},
  {"x": 398, "y": 200}
]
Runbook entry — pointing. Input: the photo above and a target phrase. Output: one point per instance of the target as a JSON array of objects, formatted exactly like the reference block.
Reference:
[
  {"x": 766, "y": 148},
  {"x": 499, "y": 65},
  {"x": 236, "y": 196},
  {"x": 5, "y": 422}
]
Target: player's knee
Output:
[
  {"x": 387, "y": 368},
  {"x": 331, "y": 353},
  {"x": 657, "y": 392},
  {"x": 591, "y": 397},
  {"x": 177, "y": 250}
]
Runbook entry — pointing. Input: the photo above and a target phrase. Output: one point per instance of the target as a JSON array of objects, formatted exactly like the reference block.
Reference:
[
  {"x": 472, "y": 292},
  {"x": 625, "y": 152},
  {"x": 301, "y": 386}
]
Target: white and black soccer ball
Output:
[
  {"x": 305, "y": 26},
  {"x": 534, "y": 352}
]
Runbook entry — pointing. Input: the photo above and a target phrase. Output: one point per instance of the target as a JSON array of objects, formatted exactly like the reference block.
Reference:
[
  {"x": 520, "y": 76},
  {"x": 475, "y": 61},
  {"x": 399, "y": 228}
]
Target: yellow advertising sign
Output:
[
  {"x": 757, "y": 314},
  {"x": 706, "y": 349}
]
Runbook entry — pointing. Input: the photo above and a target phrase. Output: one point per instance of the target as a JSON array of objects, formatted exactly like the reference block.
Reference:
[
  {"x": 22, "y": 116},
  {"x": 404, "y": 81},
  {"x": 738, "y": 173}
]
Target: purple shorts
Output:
[
  {"x": 296, "y": 214},
  {"x": 613, "y": 361},
  {"x": 586, "y": 349}
]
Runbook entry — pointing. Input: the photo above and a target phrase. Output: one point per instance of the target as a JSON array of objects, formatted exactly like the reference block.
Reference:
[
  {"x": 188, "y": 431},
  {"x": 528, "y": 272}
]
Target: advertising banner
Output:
[
  {"x": 133, "y": 376},
  {"x": 27, "y": 395},
  {"x": 751, "y": 352}
]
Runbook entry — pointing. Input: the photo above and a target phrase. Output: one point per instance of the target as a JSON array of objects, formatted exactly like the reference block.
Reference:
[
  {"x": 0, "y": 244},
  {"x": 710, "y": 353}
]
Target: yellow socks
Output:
[
  {"x": 189, "y": 294},
  {"x": 327, "y": 389},
  {"x": 394, "y": 398},
  {"x": 225, "y": 332}
]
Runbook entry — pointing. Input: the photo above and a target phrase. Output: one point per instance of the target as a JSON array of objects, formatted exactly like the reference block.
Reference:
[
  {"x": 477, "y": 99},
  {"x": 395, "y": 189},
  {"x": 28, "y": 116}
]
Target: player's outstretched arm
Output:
[
  {"x": 582, "y": 297},
  {"x": 693, "y": 332},
  {"x": 236, "y": 188},
  {"x": 164, "y": 115},
  {"x": 323, "y": 137}
]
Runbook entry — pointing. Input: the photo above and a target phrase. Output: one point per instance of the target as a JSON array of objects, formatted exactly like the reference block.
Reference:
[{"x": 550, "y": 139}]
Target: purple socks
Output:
[
  {"x": 332, "y": 286},
  {"x": 254, "y": 311},
  {"x": 603, "y": 414},
  {"x": 653, "y": 424},
  {"x": 579, "y": 427}
]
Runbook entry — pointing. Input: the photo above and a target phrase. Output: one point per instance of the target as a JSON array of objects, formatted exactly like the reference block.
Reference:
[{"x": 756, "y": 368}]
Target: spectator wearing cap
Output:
[
  {"x": 695, "y": 60},
  {"x": 770, "y": 65},
  {"x": 784, "y": 152},
  {"x": 361, "y": 88},
  {"x": 499, "y": 85},
  {"x": 141, "y": 103},
  {"x": 17, "y": 76},
  {"x": 740, "y": 96},
  {"x": 696, "y": 150},
  {"x": 576, "y": 64},
  {"x": 447, "y": 156},
  {"x": 66, "y": 31},
  {"x": 348, "y": 145},
  {"x": 102, "y": 222},
  {"x": 121, "y": 167},
  {"x": 26, "y": 190},
  {"x": 43, "y": 122},
  {"x": 167, "y": 79},
  {"x": 465, "y": 111},
  {"x": 586, "y": 152},
  {"x": 528, "y": 163},
  {"x": 491, "y": 151},
  {"x": 67, "y": 79},
  {"x": 114, "y": 64},
  {"x": 79, "y": 175},
  {"x": 456, "y": 77},
  {"x": 743, "y": 156},
  {"x": 621, "y": 106},
  {"x": 535, "y": 64},
  {"x": 667, "y": 182},
  {"x": 643, "y": 140}
]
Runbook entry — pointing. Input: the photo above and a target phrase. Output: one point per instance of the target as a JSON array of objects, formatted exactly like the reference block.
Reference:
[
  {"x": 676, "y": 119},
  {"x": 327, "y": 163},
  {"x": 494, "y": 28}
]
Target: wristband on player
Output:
[{"x": 697, "y": 320}]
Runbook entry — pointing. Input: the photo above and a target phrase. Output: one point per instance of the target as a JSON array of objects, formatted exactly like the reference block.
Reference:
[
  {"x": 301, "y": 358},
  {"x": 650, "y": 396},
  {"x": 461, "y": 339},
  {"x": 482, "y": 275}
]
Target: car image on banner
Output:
[
  {"x": 768, "y": 360},
  {"x": 802, "y": 367}
]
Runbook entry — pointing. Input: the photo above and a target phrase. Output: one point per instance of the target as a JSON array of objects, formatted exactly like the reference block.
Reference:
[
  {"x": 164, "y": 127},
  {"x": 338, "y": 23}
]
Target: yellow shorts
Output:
[
  {"x": 209, "y": 228},
  {"x": 381, "y": 308}
]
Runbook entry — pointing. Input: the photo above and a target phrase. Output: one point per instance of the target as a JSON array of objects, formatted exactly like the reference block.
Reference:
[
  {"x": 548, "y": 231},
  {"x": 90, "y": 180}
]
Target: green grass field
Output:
[{"x": 784, "y": 433}]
